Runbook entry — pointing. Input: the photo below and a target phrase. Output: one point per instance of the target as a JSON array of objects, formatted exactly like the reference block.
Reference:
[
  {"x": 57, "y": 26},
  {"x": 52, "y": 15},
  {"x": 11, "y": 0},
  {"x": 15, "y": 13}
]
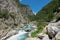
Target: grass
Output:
[{"x": 40, "y": 28}]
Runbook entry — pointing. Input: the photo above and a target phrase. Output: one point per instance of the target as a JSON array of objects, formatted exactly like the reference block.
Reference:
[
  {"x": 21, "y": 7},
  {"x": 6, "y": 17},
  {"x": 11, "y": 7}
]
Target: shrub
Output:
[
  {"x": 4, "y": 13},
  {"x": 40, "y": 28},
  {"x": 13, "y": 15}
]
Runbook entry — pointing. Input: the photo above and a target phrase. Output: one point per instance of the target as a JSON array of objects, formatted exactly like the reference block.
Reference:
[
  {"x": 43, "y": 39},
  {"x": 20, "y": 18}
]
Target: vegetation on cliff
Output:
[{"x": 46, "y": 15}]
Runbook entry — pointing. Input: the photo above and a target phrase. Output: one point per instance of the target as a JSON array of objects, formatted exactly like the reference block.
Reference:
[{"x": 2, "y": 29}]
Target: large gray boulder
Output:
[{"x": 52, "y": 31}]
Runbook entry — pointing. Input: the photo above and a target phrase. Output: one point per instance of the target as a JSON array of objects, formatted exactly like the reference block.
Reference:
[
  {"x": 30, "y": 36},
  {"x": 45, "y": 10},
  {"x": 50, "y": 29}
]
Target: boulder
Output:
[
  {"x": 57, "y": 37},
  {"x": 52, "y": 31}
]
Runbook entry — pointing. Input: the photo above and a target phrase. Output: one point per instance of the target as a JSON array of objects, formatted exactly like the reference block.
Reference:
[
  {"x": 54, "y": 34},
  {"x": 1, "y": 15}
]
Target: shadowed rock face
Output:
[
  {"x": 58, "y": 20},
  {"x": 12, "y": 16},
  {"x": 57, "y": 11}
]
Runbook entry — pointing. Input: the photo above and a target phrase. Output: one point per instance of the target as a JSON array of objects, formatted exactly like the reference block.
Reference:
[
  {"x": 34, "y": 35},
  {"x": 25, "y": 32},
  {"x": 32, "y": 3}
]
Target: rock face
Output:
[
  {"x": 52, "y": 31},
  {"x": 13, "y": 16},
  {"x": 10, "y": 33}
]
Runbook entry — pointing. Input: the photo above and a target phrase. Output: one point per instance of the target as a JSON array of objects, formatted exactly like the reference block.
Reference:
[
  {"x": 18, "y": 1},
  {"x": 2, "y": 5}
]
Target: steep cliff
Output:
[{"x": 13, "y": 15}]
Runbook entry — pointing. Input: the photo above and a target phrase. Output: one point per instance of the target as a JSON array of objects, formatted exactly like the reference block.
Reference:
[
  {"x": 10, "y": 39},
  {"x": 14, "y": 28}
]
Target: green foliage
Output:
[
  {"x": 13, "y": 15},
  {"x": 46, "y": 14},
  {"x": 32, "y": 18},
  {"x": 57, "y": 16},
  {"x": 39, "y": 29},
  {"x": 46, "y": 32},
  {"x": 45, "y": 17},
  {"x": 4, "y": 13}
]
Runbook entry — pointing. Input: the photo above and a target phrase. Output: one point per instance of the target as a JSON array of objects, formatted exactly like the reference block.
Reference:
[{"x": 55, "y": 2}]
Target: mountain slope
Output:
[
  {"x": 48, "y": 11},
  {"x": 13, "y": 15}
]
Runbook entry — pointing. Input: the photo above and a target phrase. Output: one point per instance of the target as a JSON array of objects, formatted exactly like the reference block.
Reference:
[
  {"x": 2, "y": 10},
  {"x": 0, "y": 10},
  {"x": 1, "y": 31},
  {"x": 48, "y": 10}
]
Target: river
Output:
[{"x": 22, "y": 34}]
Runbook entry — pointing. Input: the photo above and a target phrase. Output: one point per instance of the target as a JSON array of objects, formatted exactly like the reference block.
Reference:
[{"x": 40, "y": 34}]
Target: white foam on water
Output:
[{"x": 15, "y": 37}]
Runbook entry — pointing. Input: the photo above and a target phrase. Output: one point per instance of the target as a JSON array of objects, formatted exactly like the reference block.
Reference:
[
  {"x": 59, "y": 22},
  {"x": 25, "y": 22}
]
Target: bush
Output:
[
  {"x": 13, "y": 15},
  {"x": 40, "y": 28},
  {"x": 4, "y": 13}
]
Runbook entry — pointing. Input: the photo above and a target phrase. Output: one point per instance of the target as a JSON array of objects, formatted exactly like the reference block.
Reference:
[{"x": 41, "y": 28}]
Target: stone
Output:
[
  {"x": 57, "y": 37},
  {"x": 43, "y": 36},
  {"x": 46, "y": 37},
  {"x": 53, "y": 38},
  {"x": 52, "y": 29},
  {"x": 51, "y": 32}
]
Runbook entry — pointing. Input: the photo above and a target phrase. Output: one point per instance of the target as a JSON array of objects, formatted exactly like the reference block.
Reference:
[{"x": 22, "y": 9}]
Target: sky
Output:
[{"x": 35, "y": 5}]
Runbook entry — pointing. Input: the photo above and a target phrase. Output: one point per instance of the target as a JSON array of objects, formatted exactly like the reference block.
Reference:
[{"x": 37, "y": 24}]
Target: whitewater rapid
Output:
[{"x": 22, "y": 35}]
